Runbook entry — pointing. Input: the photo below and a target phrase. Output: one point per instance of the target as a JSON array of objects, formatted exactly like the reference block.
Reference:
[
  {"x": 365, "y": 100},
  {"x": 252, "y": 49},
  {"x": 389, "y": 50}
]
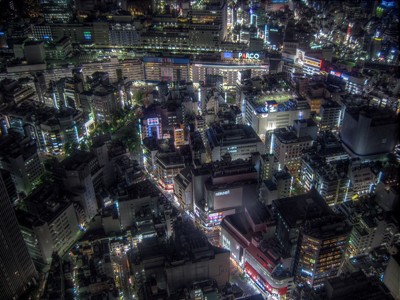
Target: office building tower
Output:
[
  {"x": 320, "y": 252},
  {"x": 292, "y": 214},
  {"x": 17, "y": 271}
]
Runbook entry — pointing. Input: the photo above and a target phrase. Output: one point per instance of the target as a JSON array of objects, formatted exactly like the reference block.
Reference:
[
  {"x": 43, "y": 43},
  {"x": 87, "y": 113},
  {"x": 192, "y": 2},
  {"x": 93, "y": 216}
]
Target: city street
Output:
[{"x": 123, "y": 274}]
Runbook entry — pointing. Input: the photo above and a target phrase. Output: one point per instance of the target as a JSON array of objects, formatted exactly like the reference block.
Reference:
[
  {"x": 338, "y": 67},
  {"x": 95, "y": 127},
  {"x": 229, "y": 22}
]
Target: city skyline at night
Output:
[{"x": 199, "y": 149}]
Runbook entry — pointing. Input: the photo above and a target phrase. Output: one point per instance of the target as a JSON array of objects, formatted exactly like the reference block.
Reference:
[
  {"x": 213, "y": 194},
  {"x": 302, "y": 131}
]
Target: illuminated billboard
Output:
[
  {"x": 299, "y": 58},
  {"x": 244, "y": 55},
  {"x": 152, "y": 122}
]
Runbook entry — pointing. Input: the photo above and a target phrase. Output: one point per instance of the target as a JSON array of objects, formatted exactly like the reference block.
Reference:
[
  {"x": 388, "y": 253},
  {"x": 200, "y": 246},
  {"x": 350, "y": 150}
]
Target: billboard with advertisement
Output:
[{"x": 299, "y": 58}]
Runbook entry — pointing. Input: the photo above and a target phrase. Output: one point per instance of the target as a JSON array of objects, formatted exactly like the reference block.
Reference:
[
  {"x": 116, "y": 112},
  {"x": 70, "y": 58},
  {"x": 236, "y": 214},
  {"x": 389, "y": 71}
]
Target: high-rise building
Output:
[
  {"x": 320, "y": 252},
  {"x": 81, "y": 176},
  {"x": 49, "y": 225},
  {"x": 17, "y": 271},
  {"x": 18, "y": 155}
]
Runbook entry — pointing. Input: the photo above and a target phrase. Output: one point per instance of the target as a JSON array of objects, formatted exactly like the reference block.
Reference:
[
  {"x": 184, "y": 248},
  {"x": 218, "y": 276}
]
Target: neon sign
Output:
[
  {"x": 334, "y": 73},
  {"x": 152, "y": 121},
  {"x": 249, "y": 55}
]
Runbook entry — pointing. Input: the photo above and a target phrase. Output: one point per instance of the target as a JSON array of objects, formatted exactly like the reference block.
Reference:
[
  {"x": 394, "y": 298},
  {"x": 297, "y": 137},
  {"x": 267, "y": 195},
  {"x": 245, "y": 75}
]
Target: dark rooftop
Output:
[{"x": 296, "y": 210}]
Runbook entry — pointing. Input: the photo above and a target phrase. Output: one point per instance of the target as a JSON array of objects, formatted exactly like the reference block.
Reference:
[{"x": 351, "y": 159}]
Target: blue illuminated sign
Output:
[
  {"x": 87, "y": 35},
  {"x": 228, "y": 55}
]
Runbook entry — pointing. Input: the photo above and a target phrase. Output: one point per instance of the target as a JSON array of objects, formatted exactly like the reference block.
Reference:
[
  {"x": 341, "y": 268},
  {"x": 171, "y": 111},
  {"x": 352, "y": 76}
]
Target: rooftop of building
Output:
[
  {"x": 239, "y": 222},
  {"x": 171, "y": 159},
  {"x": 184, "y": 177},
  {"x": 43, "y": 205},
  {"x": 379, "y": 116},
  {"x": 330, "y": 104},
  {"x": 298, "y": 209},
  {"x": 258, "y": 213},
  {"x": 304, "y": 122},
  {"x": 287, "y": 136},
  {"x": 142, "y": 189},
  {"x": 76, "y": 160},
  {"x": 289, "y": 105},
  {"x": 356, "y": 286},
  {"x": 227, "y": 168},
  {"x": 375, "y": 261},
  {"x": 231, "y": 134},
  {"x": 326, "y": 227},
  {"x": 15, "y": 144},
  {"x": 210, "y": 186},
  {"x": 190, "y": 244}
]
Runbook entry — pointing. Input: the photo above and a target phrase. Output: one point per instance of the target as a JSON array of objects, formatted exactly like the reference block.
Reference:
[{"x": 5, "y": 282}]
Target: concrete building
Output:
[
  {"x": 200, "y": 260},
  {"x": 288, "y": 147},
  {"x": 369, "y": 132},
  {"x": 331, "y": 116},
  {"x": 372, "y": 227},
  {"x": 361, "y": 178},
  {"x": 234, "y": 141},
  {"x": 183, "y": 189},
  {"x": 166, "y": 69},
  {"x": 322, "y": 244},
  {"x": 19, "y": 156},
  {"x": 81, "y": 175},
  {"x": 280, "y": 186},
  {"x": 18, "y": 272},
  {"x": 49, "y": 225},
  {"x": 262, "y": 258},
  {"x": 292, "y": 214},
  {"x": 391, "y": 274},
  {"x": 268, "y": 166},
  {"x": 168, "y": 165},
  {"x": 34, "y": 52},
  {"x": 263, "y": 118},
  {"x": 123, "y": 35},
  {"x": 229, "y": 71},
  {"x": 329, "y": 179},
  {"x": 356, "y": 285},
  {"x": 140, "y": 198},
  {"x": 104, "y": 103}
]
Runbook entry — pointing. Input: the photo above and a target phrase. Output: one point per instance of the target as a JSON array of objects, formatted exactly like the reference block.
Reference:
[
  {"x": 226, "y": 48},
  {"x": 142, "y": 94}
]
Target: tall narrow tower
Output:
[{"x": 17, "y": 271}]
